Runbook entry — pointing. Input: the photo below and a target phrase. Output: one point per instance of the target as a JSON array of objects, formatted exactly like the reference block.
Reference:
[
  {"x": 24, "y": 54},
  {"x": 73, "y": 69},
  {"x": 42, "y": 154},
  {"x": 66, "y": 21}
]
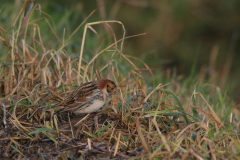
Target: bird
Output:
[{"x": 88, "y": 97}]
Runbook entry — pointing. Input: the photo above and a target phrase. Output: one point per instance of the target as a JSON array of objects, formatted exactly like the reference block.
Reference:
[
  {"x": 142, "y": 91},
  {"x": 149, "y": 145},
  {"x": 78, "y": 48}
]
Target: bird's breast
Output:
[{"x": 93, "y": 107}]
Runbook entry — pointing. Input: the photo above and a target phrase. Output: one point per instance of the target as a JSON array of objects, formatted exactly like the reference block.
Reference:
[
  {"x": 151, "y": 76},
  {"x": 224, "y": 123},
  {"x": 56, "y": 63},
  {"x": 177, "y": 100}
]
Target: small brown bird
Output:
[{"x": 88, "y": 97}]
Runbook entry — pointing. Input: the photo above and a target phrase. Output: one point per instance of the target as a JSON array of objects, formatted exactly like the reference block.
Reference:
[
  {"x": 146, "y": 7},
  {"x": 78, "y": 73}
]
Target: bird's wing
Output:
[
  {"x": 81, "y": 102},
  {"x": 78, "y": 95},
  {"x": 84, "y": 92}
]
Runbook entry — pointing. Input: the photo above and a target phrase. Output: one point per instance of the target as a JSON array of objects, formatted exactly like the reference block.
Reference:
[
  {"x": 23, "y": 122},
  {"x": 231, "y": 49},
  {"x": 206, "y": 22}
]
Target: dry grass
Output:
[{"x": 139, "y": 123}]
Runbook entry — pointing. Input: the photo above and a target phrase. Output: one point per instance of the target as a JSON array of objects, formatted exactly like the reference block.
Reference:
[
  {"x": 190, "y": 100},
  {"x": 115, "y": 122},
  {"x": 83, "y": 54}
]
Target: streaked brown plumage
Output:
[{"x": 88, "y": 97}]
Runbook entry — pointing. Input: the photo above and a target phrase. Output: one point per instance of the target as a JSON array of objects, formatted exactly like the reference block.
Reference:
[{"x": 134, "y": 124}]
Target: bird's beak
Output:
[{"x": 115, "y": 91}]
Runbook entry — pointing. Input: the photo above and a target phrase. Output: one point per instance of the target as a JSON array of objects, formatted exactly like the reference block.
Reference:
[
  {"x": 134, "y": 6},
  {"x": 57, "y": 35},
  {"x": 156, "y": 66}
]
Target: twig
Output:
[
  {"x": 117, "y": 145},
  {"x": 34, "y": 112},
  {"x": 119, "y": 154},
  {"x": 70, "y": 126},
  {"x": 4, "y": 114},
  {"x": 82, "y": 119}
]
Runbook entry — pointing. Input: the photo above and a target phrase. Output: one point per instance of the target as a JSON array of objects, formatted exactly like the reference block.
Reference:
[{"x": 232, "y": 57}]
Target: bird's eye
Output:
[{"x": 109, "y": 89}]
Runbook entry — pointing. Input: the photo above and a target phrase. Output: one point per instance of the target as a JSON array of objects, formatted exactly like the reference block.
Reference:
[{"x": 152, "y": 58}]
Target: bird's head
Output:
[{"x": 107, "y": 86}]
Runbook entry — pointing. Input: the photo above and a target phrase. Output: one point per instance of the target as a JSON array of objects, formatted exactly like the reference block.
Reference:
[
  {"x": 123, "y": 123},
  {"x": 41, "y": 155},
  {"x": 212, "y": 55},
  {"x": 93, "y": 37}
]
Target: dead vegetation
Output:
[{"x": 139, "y": 123}]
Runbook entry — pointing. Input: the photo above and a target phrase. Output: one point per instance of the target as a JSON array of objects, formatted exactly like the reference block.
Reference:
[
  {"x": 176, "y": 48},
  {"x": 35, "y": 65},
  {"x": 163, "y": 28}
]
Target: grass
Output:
[{"x": 187, "y": 119}]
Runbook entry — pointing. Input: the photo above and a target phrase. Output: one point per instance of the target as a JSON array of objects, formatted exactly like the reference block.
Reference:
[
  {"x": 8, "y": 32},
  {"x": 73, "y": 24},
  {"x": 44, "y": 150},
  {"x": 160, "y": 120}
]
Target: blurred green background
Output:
[{"x": 178, "y": 32}]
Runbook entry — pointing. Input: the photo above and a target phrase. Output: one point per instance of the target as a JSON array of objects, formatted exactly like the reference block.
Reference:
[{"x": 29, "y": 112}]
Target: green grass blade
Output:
[
  {"x": 49, "y": 137},
  {"x": 179, "y": 104},
  {"x": 102, "y": 129},
  {"x": 90, "y": 134},
  {"x": 17, "y": 150},
  {"x": 194, "y": 110},
  {"x": 41, "y": 130}
]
